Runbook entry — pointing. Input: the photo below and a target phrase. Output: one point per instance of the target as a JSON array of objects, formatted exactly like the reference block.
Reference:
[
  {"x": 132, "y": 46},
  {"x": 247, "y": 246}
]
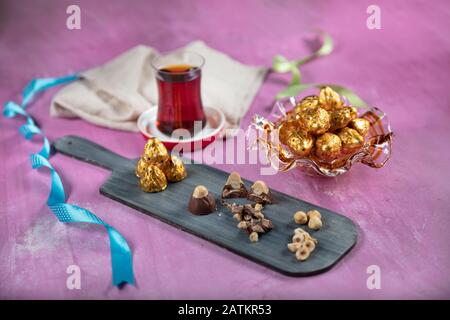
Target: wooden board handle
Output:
[{"x": 88, "y": 151}]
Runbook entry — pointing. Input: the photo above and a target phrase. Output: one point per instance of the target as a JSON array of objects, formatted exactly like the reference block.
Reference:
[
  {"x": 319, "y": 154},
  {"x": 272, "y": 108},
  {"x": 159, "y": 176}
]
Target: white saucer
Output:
[{"x": 214, "y": 125}]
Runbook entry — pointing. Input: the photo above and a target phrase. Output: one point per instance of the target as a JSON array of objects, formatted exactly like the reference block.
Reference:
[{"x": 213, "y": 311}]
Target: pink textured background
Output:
[{"x": 402, "y": 210}]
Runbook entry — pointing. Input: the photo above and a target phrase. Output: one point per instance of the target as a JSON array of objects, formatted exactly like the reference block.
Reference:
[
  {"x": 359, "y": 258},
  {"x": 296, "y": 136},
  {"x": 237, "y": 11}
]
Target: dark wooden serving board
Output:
[{"x": 335, "y": 239}]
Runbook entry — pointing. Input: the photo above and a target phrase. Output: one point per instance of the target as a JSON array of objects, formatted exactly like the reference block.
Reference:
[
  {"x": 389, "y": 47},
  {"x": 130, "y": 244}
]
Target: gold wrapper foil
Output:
[
  {"x": 315, "y": 120},
  {"x": 141, "y": 167},
  {"x": 307, "y": 102},
  {"x": 154, "y": 180},
  {"x": 351, "y": 140},
  {"x": 296, "y": 138},
  {"x": 361, "y": 125},
  {"x": 341, "y": 118},
  {"x": 286, "y": 129},
  {"x": 328, "y": 146},
  {"x": 174, "y": 169},
  {"x": 155, "y": 151},
  {"x": 300, "y": 143},
  {"x": 329, "y": 99}
]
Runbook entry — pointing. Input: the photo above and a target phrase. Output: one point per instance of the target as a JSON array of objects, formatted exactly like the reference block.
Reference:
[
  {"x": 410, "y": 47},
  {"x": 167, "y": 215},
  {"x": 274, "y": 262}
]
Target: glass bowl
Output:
[{"x": 375, "y": 152}]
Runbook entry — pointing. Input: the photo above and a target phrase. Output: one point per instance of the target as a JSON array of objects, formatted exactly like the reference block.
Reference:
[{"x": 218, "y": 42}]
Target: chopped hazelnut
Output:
[
  {"x": 310, "y": 245},
  {"x": 242, "y": 225},
  {"x": 302, "y": 254},
  {"x": 298, "y": 238},
  {"x": 253, "y": 236},
  {"x": 293, "y": 246}
]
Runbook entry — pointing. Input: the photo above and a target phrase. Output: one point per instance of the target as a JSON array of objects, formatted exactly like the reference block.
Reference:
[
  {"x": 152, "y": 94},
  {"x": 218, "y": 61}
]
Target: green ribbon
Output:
[{"x": 280, "y": 64}]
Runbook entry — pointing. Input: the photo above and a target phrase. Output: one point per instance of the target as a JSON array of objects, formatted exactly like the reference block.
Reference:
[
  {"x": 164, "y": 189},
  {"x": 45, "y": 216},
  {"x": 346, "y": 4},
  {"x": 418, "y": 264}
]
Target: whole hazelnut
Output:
[
  {"x": 300, "y": 217},
  {"x": 313, "y": 213},
  {"x": 315, "y": 223}
]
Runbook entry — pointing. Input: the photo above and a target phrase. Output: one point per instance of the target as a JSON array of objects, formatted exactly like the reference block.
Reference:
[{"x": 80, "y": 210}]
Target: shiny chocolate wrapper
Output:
[
  {"x": 174, "y": 169},
  {"x": 307, "y": 102},
  {"x": 361, "y": 125},
  {"x": 155, "y": 151},
  {"x": 141, "y": 167},
  {"x": 153, "y": 180},
  {"x": 328, "y": 146},
  {"x": 340, "y": 118},
  {"x": 351, "y": 140},
  {"x": 330, "y": 99},
  {"x": 315, "y": 120},
  {"x": 296, "y": 138}
]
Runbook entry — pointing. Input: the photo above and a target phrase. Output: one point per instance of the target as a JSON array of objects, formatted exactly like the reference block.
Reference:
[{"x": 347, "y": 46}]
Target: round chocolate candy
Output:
[
  {"x": 153, "y": 180},
  {"x": 300, "y": 143},
  {"x": 340, "y": 118},
  {"x": 201, "y": 201},
  {"x": 155, "y": 151},
  {"x": 315, "y": 120},
  {"x": 296, "y": 138},
  {"x": 174, "y": 169},
  {"x": 361, "y": 125},
  {"x": 351, "y": 140},
  {"x": 307, "y": 102},
  {"x": 328, "y": 146},
  {"x": 329, "y": 99},
  {"x": 141, "y": 167},
  {"x": 286, "y": 129}
]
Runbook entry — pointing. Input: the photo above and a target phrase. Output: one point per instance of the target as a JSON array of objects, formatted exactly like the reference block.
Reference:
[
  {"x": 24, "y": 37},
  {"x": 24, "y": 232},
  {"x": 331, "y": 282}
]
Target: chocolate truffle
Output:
[
  {"x": 351, "y": 140},
  {"x": 260, "y": 193},
  {"x": 361, "y": 125},
  {"x": 155, "y": 152},
  {"x": 153, "y": 180},
  {"x": 234, "y": 187},
  {"x": 341, "y": 118},
  {"x": 201, "y": 202},
  {"x": 174, "y": 169},
  {"x": 328, "y": 146},
  {"x": 315, "y": 120},
  {"x": 329, "y": 99}
]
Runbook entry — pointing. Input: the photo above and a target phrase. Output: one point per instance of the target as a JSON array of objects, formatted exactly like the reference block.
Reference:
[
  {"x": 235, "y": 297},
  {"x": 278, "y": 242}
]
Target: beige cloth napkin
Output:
[{"x": 116, "y": 93}]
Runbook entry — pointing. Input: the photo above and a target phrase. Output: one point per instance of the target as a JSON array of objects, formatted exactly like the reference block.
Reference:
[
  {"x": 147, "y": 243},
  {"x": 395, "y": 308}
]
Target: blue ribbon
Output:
[{"x": 121, "y": 257}]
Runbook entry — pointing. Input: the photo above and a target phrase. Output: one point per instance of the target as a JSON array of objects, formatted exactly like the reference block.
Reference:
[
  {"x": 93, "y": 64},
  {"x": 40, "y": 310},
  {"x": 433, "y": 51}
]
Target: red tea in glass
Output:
[{"x": 180, "y": 104}]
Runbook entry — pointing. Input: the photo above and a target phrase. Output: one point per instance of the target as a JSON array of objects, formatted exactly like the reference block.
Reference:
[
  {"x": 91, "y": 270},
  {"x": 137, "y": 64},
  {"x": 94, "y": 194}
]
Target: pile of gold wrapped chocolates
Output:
[
  {"x": 323, "y": 128},
  {"x": 157, "y": 167}
]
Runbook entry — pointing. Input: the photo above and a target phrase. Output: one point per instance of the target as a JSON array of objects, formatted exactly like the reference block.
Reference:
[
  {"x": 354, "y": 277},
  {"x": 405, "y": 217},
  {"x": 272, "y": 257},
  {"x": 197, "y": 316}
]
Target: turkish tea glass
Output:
[{"x": 178, "y": 77}]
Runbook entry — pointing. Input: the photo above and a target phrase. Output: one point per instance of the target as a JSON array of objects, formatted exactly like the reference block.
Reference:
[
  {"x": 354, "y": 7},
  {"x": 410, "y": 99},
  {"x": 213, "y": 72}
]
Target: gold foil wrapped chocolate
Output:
[
  {"x": 156, "y": 167},
  {"x": 155, "y": 151},
  {"x": 315, "y": 120},
  {"x": 153, "y": 180},
  {"x": 141, "y": 167},
  {"x": 329, "y": 99},
  {"x": 361, "y": 125},
  {"x": 328, "y": 146},
  {"x": 174, "y": 169},
  {"x": 305, "y": 103},
  {"x": 335, "y": 148},
  {"x": 298, "y": 140},
  {"x": 351, "y": 139},
  {"x": 340, "y": 118}
]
